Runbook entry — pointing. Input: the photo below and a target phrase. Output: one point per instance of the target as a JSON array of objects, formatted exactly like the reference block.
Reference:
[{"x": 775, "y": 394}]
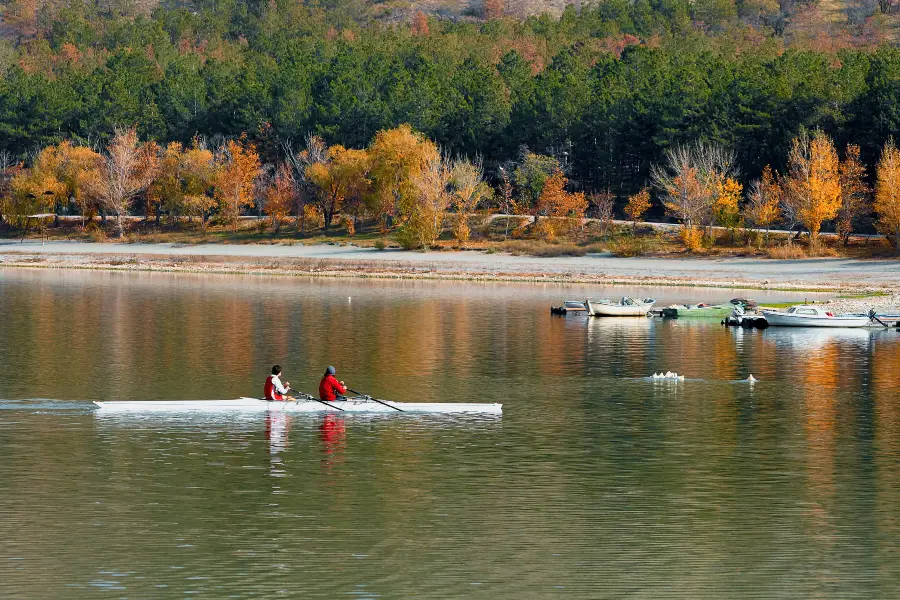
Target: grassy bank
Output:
[{"x": 490, "y": 234}]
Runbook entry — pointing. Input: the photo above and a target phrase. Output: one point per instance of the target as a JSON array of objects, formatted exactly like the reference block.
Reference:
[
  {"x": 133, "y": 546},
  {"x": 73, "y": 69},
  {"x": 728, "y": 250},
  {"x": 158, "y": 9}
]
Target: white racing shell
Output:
[{"x": 356, "y": 405}]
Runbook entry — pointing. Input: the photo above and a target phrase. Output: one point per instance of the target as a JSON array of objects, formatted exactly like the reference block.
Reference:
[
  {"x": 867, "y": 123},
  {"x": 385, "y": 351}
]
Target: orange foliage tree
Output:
[
  {"x": 279, "y": 196},
  {"x": 637, "y": 205},
  {"x": 555, "y": 202},
  {"x": 813, "y": 181},
  {"x": 238, "y": 167},
  {"x": 887, "y": 193}
]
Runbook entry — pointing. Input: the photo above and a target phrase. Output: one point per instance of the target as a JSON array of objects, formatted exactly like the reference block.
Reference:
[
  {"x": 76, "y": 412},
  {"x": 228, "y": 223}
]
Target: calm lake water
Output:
[{"x": 595, "y": 483}]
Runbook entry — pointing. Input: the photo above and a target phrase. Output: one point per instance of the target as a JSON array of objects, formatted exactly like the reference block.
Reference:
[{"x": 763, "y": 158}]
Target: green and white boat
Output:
[{"x": 703, "y": 311}]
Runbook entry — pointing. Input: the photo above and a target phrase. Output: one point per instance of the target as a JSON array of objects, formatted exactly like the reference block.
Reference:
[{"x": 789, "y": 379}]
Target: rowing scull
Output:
[{"x": 360, "y": 405}]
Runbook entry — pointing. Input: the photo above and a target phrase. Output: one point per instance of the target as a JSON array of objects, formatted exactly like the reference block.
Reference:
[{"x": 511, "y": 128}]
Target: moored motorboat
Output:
[
  {"x": 570, "y": 306},
  {"x": 814, "y": 316},
  {"x": 706, "y": 311},
  {"x": 303, "y": 405},
  {"x": 626, "y": 307}
]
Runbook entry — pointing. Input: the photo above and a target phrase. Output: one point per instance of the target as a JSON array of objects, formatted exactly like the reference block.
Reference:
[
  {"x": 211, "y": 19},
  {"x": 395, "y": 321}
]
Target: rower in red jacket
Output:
[
  {"x": 330, "y": 388},
  {"x": 274, "y": 390}
]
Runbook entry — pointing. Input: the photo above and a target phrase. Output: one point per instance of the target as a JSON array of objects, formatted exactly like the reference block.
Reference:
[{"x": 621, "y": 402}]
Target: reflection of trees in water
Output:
[{"x": 623, "y": 345}]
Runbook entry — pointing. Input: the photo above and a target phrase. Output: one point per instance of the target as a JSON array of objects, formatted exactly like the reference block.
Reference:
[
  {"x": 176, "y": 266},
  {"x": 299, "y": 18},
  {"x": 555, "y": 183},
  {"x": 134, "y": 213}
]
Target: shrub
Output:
[
  {"x": 629, "y": 246},
  {"x": 786, "y": 251},
  {"x": 692, "y": 238},
  {"x": 380, "y": 245}
]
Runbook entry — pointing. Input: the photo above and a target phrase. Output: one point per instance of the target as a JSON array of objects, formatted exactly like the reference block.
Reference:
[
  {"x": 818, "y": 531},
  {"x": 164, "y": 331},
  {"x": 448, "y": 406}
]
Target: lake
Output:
[{"x": 596, "y": 482}]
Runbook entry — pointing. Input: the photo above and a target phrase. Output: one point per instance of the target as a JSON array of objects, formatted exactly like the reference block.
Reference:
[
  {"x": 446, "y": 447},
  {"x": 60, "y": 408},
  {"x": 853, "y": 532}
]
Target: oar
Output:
[
  {"x": 375, "y": 400},
  {"x": 329, "y": 404}
]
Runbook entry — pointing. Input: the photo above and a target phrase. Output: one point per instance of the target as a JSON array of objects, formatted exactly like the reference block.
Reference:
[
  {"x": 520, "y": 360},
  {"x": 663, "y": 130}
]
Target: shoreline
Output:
[{"x": 872, "y": 283}]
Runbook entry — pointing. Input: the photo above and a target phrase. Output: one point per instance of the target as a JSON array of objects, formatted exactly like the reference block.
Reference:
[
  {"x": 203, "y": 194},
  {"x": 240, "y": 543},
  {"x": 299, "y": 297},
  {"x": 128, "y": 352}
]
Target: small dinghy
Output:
[{"x": 626, "y": 307}]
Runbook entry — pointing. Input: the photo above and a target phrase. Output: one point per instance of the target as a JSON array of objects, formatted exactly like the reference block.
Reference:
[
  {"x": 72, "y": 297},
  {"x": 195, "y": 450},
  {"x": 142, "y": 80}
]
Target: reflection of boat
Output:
[
  {"x": 626, "y": 307},
  {"x": 356, "y": 405},
  {"x": 811, "y": 338},
  {"x": 813, "y": 316}
]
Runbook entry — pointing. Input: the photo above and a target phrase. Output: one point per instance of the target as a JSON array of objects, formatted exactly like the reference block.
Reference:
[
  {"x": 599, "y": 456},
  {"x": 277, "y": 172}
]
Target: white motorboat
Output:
[
  {"x": 302, "y": 405},
  {"x": 814, "y": 316},
  {"x": 626, "y": 307}
]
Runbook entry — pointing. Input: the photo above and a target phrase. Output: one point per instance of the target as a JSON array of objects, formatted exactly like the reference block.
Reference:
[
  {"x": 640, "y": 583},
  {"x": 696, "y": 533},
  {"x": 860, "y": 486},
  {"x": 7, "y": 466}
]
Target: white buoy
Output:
[{"x": 751, "y": 379}]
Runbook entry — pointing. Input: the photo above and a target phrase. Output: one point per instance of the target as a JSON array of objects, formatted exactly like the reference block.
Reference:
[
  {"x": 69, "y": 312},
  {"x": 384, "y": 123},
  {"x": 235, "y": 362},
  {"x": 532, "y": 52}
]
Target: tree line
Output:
[
  {"x": 607, "y": 91},
  {"x": 403, "y": 181}
]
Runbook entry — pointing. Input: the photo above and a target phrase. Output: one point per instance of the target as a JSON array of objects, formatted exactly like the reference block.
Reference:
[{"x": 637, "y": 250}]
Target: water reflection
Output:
[
  {"x": 332, "y": 433},
  {"x": 597, "y": 481}
]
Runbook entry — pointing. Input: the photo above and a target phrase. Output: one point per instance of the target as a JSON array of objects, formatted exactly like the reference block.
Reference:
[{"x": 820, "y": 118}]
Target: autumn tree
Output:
[
  {"x": 237, "y": 167},
  {"x": 126, "y": 168},
  {"x": 342, "y": 177},
  {"x": 32, "y": 191},
  {"x": 198, "y": 172},
  {"x": 813, "y": 182},
  {"x": 468, "y": 190},
  {"x": 530, "y": 176},
  {"x": 492, "y": 9},
  {"x": 637, "y": 205},
  {"x": 305, "y": 191},
  {"x": 726, "y": 205},
  {"x": 604, "y": 205},
  {"x": 165, "y": 191},
  {"x": 685, "y": 190},
  {"x": 887, "y": 193},
  {"x": 505, "y": 197},
  {"x": 854, "y": 192},
  {"x": 691, "y": 180},
  {"x": 555, "y": 202},
  {"x": 279, "y": 196},
  {"x": 764, "y": 206},
  {"x": 75, "y": 166},
  {"x": 420, "y": 24},
  {"x": 398, "y": 156},
  {"x": 424, "y": 219}
]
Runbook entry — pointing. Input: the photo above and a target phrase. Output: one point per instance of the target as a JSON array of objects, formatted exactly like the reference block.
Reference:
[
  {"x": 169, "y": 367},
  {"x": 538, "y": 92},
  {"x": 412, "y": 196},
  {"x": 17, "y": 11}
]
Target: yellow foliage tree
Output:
[
  {"x": 637, "y": 205},
  {"x": 198, "y": 172},
  {"x": 425, "y": 219},
  {"x": 341, "y": 178},
  {"x": 398, "y": 156},
  {"x": 467, "y": 192},
  {"x": 32, "y": 191},
  {"x": 813, "y": 181},
  {"x": 238, "y": 167},
  {"x": 726, "y": 206},
  {"x": 887, "y": 193},
  {"x": 75, "y": 166},
  {"x": 165, "y": 191},
  {"x": 764, "y": 207}
]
